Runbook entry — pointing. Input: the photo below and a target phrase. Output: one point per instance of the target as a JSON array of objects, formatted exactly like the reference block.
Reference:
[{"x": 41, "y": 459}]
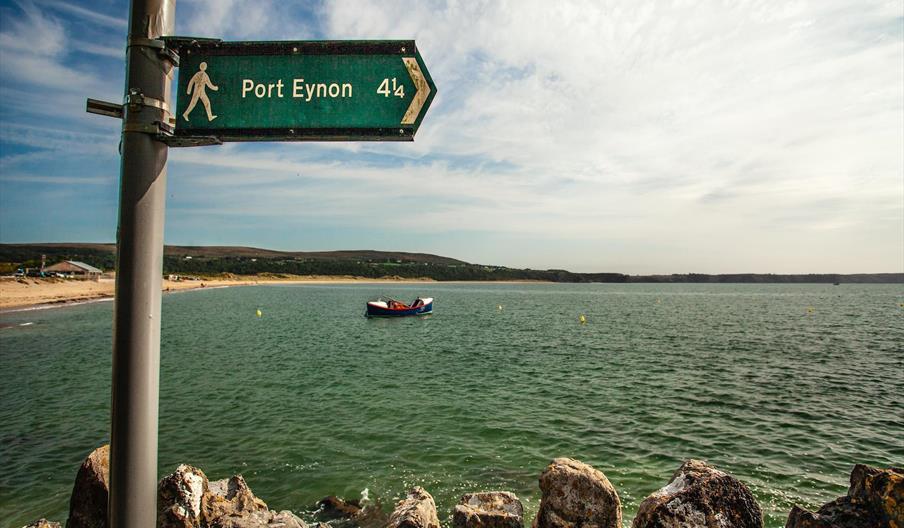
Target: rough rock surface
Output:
[
  {"x": 371, "y": 516},
  {"x": 180, "y": 497},
  {"x": 575, "y": 495},
  {"x": 416, "y": 511},
  {"x": 261, "y": 519},
  {"x": 875, "y": 499},
  {"x": 491, "y": 509},
  {"x": 286, "y": 519},
  {"x": 231, "y": 504},
  {"x": 333, "y": 507},
  {"x": 228, "y": 500},
  {"x": 700, "y": 496},
  {"x": 43, "y": 523},
  {"x": 88, "y": 502},
  {"x": 351, "y": 513}
]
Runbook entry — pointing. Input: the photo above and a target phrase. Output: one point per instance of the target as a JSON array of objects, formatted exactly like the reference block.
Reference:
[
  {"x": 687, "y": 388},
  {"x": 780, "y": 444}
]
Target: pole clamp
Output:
[
  {"x": 158, "y": 45},
  {"x": 161, "y": 130},
  {"x": 135, "y": 99}
]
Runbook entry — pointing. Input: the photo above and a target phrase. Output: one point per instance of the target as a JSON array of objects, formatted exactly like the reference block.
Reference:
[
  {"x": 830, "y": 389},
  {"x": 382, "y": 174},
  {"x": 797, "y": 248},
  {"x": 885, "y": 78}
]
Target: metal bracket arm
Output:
[
  {"x": 177, "y": 43},
  {"x": 193, "y": 141},
  {"x": 157, "y": 128},
  {"x": 158, "y": 45},
  {"x": 96, "y": 106}
]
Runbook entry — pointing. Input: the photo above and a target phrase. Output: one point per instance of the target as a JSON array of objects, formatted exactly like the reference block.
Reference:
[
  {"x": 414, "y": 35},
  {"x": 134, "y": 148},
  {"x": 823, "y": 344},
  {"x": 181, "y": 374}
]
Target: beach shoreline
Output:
[{"x": 37, "y": 293}]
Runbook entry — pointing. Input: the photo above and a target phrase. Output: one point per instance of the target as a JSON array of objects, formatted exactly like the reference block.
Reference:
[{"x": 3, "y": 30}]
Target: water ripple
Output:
[{"x": 312, "y": 399}]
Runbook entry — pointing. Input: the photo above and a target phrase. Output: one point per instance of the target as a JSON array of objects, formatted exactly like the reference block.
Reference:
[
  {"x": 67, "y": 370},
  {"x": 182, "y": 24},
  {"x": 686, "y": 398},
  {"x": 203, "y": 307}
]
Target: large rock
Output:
[
  {"x": 248, "y": 520},
  {"x": 286, "y": 519},
  {"x": 226, "y": 500},
  {"x": 575, "y": 495},
  {"x": 371, "y": 516},
  {"x": 91, "y": 492},
  {"x": 491, "y": 509},
  {"x": 180, "y": 497},
  {"x": 43, "y": 523},
  {"x": 875, "y": 499},
  {"x": 700, "y": 496},
  {"x": 231, "y": 504},
  {"x": 261, "y": 519},
  {"x": 333, "y": 507},
  {"x": 351, "y": 513},
  {"x": 415, "y": 511}
]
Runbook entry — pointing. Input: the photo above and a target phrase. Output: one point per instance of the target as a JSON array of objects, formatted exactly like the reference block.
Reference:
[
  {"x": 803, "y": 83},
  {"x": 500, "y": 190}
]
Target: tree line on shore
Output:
[{"x": 213, "y": 261}]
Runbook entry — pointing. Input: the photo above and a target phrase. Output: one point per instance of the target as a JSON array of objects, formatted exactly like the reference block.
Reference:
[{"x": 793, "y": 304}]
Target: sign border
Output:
[{"x": 214, "y": 47}]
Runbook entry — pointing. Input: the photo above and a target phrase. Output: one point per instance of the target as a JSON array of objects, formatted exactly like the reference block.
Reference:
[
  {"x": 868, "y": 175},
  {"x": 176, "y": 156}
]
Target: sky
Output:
[{"x": 610, "y": 136}]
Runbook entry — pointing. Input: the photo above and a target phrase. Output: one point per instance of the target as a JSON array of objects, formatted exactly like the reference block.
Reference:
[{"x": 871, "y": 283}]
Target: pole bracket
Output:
[
  {"x": 193, "y": 141},
  {"x": 135, "y": 99},
  {"x": 178, "y": 43},
  {"x": 163, "y": 132},
  {"x": 105, "y": 108},
  {"x": 157, "y": 128},
  {"x": 158, "y": 45}
]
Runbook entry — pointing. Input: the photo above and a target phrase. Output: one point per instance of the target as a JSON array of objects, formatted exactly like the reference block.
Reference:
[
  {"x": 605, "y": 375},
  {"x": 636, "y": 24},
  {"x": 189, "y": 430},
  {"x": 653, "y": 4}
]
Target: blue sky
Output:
[{"x": 640, "y": 137}]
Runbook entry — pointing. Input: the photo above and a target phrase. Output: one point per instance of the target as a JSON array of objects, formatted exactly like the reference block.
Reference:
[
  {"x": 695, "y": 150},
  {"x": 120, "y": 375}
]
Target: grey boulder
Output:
[
  {"x": 417, "y": 510},
  {"x": 491, "y": 509},
  {"x": 576, "y": 495},
  {"x": 700, "y": 496}
]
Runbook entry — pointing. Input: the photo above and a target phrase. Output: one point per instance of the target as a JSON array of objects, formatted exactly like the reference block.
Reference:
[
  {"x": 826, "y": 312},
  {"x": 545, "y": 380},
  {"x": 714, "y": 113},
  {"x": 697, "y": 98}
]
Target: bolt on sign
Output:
[{"x": 300, "y": 91}]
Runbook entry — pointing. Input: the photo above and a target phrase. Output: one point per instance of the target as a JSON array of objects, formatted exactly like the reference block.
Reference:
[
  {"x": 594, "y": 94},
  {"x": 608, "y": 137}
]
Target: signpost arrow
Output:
[{"x": 300, "y": 91}]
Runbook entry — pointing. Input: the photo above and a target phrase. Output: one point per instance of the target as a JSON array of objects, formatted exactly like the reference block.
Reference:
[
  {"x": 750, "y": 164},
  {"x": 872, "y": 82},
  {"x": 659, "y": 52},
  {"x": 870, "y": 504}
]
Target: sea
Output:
[{"x": 785, "y": 387}]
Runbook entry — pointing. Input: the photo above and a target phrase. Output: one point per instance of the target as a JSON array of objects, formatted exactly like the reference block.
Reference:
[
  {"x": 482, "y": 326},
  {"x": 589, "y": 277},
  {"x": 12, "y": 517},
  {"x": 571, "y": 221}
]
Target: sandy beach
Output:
[{"x": 26, "y": 292}]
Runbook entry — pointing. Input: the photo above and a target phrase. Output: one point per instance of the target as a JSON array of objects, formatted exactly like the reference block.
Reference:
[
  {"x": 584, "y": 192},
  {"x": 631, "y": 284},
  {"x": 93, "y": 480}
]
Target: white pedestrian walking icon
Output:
[{"x": 199, "y": 84}]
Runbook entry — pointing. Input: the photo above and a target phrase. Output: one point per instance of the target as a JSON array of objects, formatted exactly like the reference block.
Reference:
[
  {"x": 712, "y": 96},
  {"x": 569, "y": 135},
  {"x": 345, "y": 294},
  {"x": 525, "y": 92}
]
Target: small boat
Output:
[{"x": 387, "y": 307}]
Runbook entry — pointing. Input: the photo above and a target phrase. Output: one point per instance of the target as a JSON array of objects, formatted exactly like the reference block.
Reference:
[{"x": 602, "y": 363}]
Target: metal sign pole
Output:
[{"x": 139, "y": 269}]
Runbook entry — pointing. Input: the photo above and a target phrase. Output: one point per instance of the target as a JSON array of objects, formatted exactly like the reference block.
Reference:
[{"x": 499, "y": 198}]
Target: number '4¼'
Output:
[{"x": 396, "y": 89}]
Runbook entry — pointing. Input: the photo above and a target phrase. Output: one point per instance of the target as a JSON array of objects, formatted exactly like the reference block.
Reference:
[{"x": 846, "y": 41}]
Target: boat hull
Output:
[{"x": 379, "y": 311}]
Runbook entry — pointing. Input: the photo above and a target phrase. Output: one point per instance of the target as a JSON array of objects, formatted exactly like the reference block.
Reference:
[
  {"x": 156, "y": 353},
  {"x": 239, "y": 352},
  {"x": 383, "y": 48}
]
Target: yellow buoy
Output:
[
  {"x": 810, "y": 309},
  {"x": 582, "y": 319},
  {"x": 260, "y": 313}
]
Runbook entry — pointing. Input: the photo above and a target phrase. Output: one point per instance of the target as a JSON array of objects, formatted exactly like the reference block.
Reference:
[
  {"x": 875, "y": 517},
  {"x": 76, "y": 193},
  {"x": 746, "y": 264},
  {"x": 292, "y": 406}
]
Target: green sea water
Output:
[{"x": 784, "y": 386}]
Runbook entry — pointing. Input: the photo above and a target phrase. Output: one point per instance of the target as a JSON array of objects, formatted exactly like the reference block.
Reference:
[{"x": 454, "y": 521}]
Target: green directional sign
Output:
[{"x": 298, "y": 91}]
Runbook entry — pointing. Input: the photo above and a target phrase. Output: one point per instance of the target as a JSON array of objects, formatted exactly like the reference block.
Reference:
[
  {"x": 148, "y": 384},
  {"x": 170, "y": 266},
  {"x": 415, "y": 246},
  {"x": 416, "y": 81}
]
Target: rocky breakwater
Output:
[
  {"x": 573, "y": 495},
  {"x": 186, "y": 499}
]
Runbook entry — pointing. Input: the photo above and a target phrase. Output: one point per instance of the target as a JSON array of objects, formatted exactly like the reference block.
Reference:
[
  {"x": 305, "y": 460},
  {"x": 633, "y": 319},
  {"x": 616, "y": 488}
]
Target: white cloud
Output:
[
  {"x": 87, "y": 14},
  {"x": 699, "y": 122},
  {"x": 241, "y": 20},
  {"x": 114, "y": 52},
  {"x": 35, "y": 33},
  {"x": 714, "y": 116},
  {"x": 58, "y": 139},
  {"x": 41, "y": 75},
  {"x": 679, "y": 136},
  {"x": 58, "y": 180}
]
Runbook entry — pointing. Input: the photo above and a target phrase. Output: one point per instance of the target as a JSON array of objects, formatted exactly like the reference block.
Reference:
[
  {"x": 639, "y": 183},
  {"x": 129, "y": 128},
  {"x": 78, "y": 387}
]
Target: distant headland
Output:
[{"x": 213, "y": 261}]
